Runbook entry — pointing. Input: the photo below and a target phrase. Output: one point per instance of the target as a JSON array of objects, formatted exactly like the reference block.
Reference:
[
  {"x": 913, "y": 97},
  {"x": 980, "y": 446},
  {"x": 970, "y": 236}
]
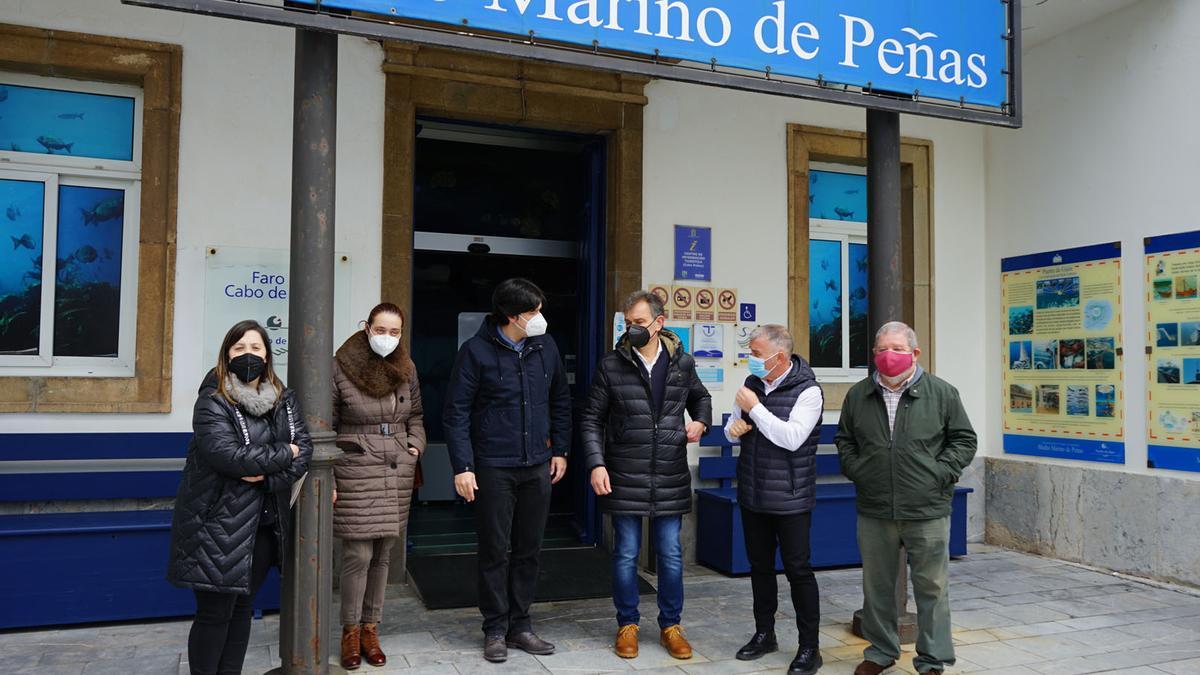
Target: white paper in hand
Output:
[{"x": 296, "y": 489}]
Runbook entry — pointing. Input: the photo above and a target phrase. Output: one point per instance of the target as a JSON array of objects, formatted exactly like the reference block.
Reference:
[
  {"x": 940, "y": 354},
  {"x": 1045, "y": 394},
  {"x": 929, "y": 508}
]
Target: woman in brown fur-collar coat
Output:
[{"x": 378, "y": 419}]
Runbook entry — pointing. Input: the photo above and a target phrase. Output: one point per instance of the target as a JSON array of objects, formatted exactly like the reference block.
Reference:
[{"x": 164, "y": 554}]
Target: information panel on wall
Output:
[
  {"x": 252, "y": 283},
  {"x": 1173, "y": 351},
  {"x": 1063, "y": 356}
]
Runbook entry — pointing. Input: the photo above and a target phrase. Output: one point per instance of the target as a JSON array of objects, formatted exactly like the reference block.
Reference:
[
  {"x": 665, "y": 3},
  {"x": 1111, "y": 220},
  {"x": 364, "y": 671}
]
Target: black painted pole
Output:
[
  {"x": 885, "y": 276},
  {"x": 305, "y": 636}
]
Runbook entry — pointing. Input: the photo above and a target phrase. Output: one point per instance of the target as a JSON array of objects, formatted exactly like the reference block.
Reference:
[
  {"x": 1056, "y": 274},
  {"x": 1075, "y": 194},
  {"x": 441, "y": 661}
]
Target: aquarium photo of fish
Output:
[
  {"x": 66, "y": 123},
  {"x": 87, "y": 294},
  {"x": 825, "y": 317},
  {"x": 833, "y": 195},
  {"x": 21, "y": 267}
]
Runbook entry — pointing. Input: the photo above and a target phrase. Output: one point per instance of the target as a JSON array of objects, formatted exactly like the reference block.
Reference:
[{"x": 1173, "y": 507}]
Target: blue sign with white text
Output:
[
  {"x": 953, "y": 51},
  {"x": 693, "y": 253}
]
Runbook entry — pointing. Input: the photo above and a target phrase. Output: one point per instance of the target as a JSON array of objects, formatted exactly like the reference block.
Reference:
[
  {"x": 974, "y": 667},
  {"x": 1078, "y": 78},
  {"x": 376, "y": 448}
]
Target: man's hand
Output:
[
  {"x": 739, "y": 428},
  {"x": 746, "y": 399},
  {"x": 558, "y": 469},
  {"x": 414, "y": 452},
  {"x": 295, "y": 450},
  {"x": 694, "y": 431},
  {"x": 253, "y": 479},
  {"x": 335, "y": 495},
  {"x": 465, "y": 485},
  {"x": 600, "y": 484}
]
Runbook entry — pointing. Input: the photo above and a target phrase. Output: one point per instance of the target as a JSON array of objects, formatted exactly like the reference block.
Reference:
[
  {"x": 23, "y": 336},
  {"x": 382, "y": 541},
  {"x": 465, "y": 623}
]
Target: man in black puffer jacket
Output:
[
  {"x": 635, "y": 447},
  {"x": 778, "y": 419}
]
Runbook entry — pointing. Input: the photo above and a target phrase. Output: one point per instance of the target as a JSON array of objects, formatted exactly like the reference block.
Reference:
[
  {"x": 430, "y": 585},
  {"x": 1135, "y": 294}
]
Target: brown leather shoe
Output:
[
  {"x": 871, "y": 668},
  {"x": 351, "y": 648},
  {"x": 371, "y": 650},
  {"x": 627, "y": 644},
  {"x": 677, "y": 645}
]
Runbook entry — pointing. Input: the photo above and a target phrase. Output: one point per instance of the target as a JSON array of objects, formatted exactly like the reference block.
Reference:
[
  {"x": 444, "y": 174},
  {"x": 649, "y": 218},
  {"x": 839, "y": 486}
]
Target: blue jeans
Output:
[{"x": 627, "y": 540}]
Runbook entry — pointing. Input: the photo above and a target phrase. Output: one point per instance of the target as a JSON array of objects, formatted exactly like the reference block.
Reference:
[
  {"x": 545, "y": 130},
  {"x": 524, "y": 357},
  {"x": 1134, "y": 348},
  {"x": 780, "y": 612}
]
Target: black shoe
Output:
[
  {"x": 759, "y": 646},
  {"x": 530, "y": 643},
  {"x": 494, "y": 649},
  {"x": 807, "y": 662}
]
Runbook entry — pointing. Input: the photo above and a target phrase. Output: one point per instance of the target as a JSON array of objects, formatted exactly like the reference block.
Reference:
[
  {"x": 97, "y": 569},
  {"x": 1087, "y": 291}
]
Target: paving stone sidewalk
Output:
[{"x": 1014, "y": 614}]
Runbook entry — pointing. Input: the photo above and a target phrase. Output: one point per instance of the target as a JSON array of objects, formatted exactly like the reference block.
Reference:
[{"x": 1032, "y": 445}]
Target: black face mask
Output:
[
  {"x": 247, "y": 367},
  {"x": 639, "y": 336}
]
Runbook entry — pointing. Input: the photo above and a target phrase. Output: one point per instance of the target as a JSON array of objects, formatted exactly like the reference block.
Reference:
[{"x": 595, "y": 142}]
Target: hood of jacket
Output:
[{"x": 374, "y": 375}]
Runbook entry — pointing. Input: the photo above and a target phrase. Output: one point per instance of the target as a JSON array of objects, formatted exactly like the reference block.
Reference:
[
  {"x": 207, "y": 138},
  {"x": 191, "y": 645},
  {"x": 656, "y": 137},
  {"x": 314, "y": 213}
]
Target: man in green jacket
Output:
[{"x": 904, "y": 439}]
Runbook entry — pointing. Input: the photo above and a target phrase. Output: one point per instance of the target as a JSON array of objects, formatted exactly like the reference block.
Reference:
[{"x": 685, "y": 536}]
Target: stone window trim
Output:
[
  {"x": 470, "y": 87},
  {"x": 807, "y": 144},
  {"x": 157, "y": 69}
]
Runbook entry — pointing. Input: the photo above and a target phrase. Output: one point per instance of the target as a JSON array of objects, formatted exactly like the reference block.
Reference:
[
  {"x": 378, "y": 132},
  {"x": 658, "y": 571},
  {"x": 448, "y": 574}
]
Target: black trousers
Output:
[
  {"x": 763, "y": 532},
  {"x": 510, "y": 514},
  {"x": 221, "y": 630}
]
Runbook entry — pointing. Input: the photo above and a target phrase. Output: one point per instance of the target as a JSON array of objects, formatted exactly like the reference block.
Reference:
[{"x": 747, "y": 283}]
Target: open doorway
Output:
[{"x": 492, "y": 203}]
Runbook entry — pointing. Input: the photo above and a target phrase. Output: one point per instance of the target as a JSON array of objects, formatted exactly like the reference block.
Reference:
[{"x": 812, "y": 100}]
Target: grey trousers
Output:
[{"x": 364, "y": 578}]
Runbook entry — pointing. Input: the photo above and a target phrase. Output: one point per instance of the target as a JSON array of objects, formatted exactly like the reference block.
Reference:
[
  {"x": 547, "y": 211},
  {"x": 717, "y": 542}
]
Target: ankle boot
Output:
[
  {"x": 371, "y": 650},
  {"x": 351, "y": 647}
]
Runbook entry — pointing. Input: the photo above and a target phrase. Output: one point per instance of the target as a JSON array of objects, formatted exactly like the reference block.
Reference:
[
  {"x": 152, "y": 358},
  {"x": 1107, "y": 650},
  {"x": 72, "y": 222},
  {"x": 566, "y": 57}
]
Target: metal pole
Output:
[
  {"x": 305, "y": 626},
  {"x": 885, "y": 275}
]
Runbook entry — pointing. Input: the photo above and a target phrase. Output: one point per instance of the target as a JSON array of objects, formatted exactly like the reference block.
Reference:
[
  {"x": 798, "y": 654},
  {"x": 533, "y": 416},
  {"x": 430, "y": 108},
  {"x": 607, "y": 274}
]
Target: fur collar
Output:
[
  {"x": 372, "y": 374},
  {"x": 257, "y": 402}
]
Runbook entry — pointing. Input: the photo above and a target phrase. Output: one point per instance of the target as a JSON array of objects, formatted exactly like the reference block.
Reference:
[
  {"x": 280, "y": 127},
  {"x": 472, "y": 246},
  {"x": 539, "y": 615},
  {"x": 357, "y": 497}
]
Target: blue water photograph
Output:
[
  {"x": 1058, "y": 293},
  {"x": 1106, "y": 400},
  {"x": 1045, "y": 354},
  {"x": 1167, "y": 335},
  {"x": 860, "y": 332},
  {"x": 87, "y": 294},
  {"x": 1020, "y": 320},
  {"x": 1101, "y": 353},
  {"x": 56, "y": 122},
  {"x": 1189, "y": 333},
  {"x": 837, "y": 196},
  {"x": 825, "y": 303},
  {"x": 22, "y": 216},
  {"x": 1019, "y": 355},
  {"x": 1191, "y": 371},
  {"x": 1167, "y": 371},
  {"x": 1079, "y": 402}
]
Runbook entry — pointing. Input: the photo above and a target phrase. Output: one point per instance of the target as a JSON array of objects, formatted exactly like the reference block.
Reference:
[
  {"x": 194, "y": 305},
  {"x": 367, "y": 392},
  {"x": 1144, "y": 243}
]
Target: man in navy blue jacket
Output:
[{"x": 508, "y": 428}]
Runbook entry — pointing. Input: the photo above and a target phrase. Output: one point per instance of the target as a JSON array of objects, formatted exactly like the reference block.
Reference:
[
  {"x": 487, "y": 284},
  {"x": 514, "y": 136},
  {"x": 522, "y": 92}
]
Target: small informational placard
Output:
[
  {"x": 685, "y": 336},
  {"x": 1063, "y": 355},
  {"x": 1173, "y": 351},
  {"x": 705, "y": 298},
  {"x": 712, "y": 377},
  {"x": 252, "y": 283},
  {"x": 693, "y": 253},
  {"x": 741, "y": 335},
  {"x": 663, "y": 291},
  {"x": 748, "y": 312},
  {"x": 709, "y": 341},
  {"x": 727, "y": 305},
  {"x": 618, "y": 327},
  {"x": 683, "y": 302}
]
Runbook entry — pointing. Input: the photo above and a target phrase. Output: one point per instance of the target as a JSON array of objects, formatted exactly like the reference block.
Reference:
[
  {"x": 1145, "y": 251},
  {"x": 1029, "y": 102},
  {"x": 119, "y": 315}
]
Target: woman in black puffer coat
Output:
[{"x": 232, "y": 512}]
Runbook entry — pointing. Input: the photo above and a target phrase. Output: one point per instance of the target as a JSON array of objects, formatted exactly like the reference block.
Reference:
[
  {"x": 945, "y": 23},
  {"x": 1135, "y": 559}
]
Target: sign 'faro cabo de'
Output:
[{"x": 930, "y": 49}]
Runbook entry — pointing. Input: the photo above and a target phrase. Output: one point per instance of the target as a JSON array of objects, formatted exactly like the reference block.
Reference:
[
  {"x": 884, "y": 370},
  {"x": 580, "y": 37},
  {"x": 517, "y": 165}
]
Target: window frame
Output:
[
  {"x": 67, "y": 171},
  {"x": 845, "y": 232},
  {"x": 157, "y": 68},
  {"x": 72, "y": 163},
  {"x": 43, "y": 359}
]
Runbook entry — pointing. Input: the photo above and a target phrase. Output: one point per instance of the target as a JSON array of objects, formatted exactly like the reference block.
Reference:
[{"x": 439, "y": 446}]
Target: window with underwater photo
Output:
[
  {"x": 87, "y": 283},
  {"x": 69, "y": 205},
  {"x": 23, "y": 218}
]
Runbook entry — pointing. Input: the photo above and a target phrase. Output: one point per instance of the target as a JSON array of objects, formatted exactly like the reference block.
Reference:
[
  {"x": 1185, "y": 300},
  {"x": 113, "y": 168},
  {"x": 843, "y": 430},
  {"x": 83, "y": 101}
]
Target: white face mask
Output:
[
  {"x": 384, "y": 344},
  {"x": 535, "y": 326}
]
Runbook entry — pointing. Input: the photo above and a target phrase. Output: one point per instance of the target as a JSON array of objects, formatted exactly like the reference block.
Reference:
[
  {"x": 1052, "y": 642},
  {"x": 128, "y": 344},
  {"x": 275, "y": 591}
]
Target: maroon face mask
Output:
[{"x": 893, "y": 364}]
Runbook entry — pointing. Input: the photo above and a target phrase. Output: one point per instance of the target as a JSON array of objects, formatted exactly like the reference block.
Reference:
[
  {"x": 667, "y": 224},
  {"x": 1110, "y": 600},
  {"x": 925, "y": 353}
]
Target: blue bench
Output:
[
  {"x": 833, "y": 538},
  {"x": 64, "y": 568}
]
